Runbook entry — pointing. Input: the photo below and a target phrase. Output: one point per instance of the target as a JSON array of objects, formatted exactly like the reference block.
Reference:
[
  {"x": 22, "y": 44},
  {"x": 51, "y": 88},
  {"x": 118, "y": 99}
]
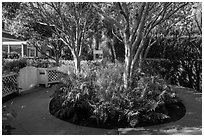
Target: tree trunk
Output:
[
  {"x": 96, "y": 37},
  {"x": 128, "y": 61},
  {"x": 77, "y": 61},
  {"x": 140, "y": 62},
  {"x": 198, "y": 74},
  {"x": 57, "y": 60},
  {"x": 57, "y": 54},
  {"x": 112, "y": 51},
  {"x": 137, "y": 61}
]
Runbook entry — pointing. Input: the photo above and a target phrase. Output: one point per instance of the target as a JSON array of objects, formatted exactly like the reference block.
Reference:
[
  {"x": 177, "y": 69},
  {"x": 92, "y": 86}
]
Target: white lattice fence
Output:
[
  {"x": 49, "y": 75},
  {"x": 9, "y": 84},
  {"x": 12, "y": 82},
  {"x": 54, "y": 76}
]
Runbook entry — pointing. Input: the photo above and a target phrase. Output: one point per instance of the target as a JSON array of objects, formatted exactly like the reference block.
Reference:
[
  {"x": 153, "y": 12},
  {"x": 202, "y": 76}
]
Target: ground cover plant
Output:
[{"x": 97, "y": 97}]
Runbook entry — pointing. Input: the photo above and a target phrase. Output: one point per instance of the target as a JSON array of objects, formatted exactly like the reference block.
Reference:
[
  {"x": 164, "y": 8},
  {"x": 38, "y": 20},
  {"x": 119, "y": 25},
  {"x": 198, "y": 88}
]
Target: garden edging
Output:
[
  {"x": 190, "y": 124},
  {"x": 32, "y": 108}
]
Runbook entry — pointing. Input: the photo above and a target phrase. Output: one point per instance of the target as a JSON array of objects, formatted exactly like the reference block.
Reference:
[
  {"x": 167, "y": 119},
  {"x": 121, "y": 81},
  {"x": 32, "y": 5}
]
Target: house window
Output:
[{"x": 31, "y": 52}]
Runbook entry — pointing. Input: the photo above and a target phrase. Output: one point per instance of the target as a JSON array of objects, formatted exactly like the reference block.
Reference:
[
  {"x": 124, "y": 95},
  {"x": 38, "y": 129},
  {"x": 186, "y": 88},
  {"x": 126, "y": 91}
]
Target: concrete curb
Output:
[
  {"x": 33, "y": 117},
  {"x": 190, "y": 124}
]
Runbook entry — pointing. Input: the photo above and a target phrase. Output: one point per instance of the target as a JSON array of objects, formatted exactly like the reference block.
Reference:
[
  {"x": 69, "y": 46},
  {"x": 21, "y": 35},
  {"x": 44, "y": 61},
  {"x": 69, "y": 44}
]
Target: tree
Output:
[
  {"x": 42, "y": 36},
  {"x": 10, "y": 9},
  {"x": 33, "y": 32},
  {"x": 69, "y": 21},
  {"x": 135, "y": 23}
]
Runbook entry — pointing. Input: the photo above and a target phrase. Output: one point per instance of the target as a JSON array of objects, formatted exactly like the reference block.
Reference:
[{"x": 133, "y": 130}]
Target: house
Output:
[{"x": 11, "y": 43}]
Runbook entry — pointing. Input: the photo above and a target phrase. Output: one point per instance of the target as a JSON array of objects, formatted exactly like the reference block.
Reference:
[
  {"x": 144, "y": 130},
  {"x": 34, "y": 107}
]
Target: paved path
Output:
[{"x": 33, "y": 117}]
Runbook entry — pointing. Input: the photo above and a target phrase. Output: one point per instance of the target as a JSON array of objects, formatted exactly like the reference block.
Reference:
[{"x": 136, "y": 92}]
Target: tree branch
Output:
[
  {"x": 123, "y": 12},
  {"x": 168, "y": 15},
  {"x": 135, "y": 27},
  {"x": 148, "y": 48},
  {"x": 197, "y": 23},
  {"x": 140, "y": 29},
  {"x": 117, "y": 37},
  {"x": 156, "y": 18},
  {"x": 138, "y": 40},
  {"x": 39, "y": 50}
]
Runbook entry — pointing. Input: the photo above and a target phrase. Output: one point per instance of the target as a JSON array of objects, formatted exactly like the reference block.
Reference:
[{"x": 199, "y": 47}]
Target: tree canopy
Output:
[{"x": 137, "y": 25}]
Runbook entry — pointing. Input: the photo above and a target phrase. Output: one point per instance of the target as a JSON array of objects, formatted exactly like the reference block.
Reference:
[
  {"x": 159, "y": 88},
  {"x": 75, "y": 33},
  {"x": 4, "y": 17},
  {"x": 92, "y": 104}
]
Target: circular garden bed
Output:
[
  {"x": 97, "y": 98},
  {"x": 83, "y": 117}
]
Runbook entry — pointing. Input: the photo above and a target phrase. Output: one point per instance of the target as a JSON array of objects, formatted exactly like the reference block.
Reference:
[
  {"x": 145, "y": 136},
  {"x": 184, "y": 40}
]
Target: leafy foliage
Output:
[
  {"x": 134, "y": 23},
  {"x": 14, "y": 65},
  {"x": 11, "y": 55},
  {"x": 41, "y": 63},
  {"x": 183, "y": 73},
  {"x": 183, "y": 63},
  {"x": 57, "y": 24},
  {"x": 98, "y": 96},
  {"x": 10, "y": 9}
]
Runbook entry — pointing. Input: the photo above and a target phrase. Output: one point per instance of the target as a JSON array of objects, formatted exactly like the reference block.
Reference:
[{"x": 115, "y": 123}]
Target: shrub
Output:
[
  {"x": 184, "y": 65},
  {"x": 98, "y": 97},
  {"x": 186, "y": 73},
  {"x": 11, "y": 55},
  {"x": 14, "y": 65},
  {"x": 14, "y": 55},
  {"x": 41, "y": 63},
  {"x": 4, "y": 55},
  {"x": 73, "y": 96}
]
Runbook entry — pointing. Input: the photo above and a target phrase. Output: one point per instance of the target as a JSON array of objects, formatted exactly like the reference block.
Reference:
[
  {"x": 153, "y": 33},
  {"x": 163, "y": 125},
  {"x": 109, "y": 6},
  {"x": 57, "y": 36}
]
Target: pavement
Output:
[{"x": 33, "y": 117}]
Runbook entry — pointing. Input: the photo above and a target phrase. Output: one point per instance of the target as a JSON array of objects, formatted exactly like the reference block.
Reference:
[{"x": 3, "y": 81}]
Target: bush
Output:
[
  {"x": 4, "y": 55},
  {"x": 99, "y": 98},
  {"x": 11, "y": 55},
  {"x": 13, "y": 65},
  {"x": 14, "y": 55},
  {"x": 185, "y": 73},
  {"x": 184, "y": 55},
  {"x": 41, "y": 63}
]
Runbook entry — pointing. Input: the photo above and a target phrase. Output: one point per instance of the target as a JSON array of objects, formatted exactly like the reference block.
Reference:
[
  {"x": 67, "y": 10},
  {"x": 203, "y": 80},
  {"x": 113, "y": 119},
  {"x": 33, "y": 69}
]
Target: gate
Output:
[{"x": 28, "y": 78}]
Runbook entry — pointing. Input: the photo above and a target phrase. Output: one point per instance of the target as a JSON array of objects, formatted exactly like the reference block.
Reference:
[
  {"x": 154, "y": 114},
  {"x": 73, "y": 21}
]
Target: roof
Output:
[
  {"x": 9, "y": 39},
  {"x": 6, "y": 36}
]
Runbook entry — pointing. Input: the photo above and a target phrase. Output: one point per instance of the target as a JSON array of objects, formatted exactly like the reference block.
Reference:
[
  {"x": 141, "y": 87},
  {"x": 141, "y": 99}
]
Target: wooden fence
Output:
[
  {"x": 49, "y": 75},
  {"x": 28, "y": 78},
  {"x": 9, "y": 84}
]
